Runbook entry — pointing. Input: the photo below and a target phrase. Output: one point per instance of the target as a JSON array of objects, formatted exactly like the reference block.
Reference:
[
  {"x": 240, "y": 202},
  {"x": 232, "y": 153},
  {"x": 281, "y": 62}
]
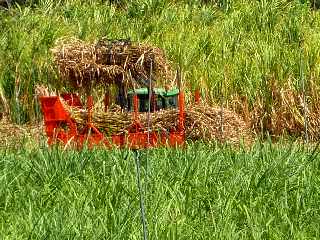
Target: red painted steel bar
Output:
[
  {"x": 135, "y": 108},
  {"x": 197, "y": 96},
  {"x": 181, "y": 111}
]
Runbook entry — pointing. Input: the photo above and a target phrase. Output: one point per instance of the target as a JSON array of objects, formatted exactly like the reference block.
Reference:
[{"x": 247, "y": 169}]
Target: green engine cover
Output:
[
  {"x": 157, "y": 91},
  {"x": 163, "y": 99}
]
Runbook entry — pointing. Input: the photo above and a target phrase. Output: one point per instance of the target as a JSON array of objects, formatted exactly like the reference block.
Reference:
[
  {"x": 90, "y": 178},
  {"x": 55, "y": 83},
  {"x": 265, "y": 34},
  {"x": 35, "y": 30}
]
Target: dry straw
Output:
[
  {"x": 285, "y": 113},
  {"x": 202, "y": 122},
  {"x": 110, "y": 62},
  {"x": 13, "y": 135}
]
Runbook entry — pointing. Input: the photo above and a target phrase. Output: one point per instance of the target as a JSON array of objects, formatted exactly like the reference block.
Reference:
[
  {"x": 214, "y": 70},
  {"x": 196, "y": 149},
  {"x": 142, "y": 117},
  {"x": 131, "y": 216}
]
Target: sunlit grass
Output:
[{"x": 199, "y": 192}]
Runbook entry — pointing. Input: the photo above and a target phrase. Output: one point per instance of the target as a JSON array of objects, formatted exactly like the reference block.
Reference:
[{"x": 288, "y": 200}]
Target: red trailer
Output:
[{"x": 61, "y": 128}]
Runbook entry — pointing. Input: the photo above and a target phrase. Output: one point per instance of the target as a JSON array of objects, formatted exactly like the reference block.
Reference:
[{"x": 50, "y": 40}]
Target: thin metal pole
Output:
[
  {"x": 179, "y": 78},
  {"x": 306, "y": 136},
  {"x": 221, "y": 96},
  {"x": 150, "y": 91},
  {"x": 142, "y": 207},
  {"x": 149, "y": 104},
  {"x": 8, "y": 3}
]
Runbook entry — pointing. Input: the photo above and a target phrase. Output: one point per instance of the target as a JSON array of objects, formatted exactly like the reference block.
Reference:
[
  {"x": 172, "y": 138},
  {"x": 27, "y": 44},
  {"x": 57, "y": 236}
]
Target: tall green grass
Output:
[
  {"x": 200, "y": 192},
  {"x": 240, "y": 45}
]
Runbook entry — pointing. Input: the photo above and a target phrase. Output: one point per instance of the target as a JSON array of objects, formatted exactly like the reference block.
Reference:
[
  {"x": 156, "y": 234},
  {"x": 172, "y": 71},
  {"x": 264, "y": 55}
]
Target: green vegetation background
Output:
[{"x": 227, "y": 48}]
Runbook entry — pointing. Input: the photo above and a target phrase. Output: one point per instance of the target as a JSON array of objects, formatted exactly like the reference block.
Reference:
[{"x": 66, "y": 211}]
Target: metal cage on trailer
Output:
[{"x": 60, "y": 127}]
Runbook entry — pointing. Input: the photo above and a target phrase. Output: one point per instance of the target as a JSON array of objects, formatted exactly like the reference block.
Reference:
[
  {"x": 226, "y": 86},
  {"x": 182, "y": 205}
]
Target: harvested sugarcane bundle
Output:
[
  {"x": 135, "y": 57},
  {"x": 289, "y": 114},
  {"x": 107, "y": 62},
  {"x": 14, "y": 136},
  {"x": 202, "y": 122}
]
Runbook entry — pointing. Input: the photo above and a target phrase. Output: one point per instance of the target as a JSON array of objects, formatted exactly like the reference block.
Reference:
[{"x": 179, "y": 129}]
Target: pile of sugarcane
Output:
[
  {"x": 291, "y": 112},
  {"x": 129, "y": 64},
  {"x": 286, "y": 112},
  {"x": 14, "y": 135},
  {"x": 202, "y": 122},
  {"x": 110, "y": 62}
]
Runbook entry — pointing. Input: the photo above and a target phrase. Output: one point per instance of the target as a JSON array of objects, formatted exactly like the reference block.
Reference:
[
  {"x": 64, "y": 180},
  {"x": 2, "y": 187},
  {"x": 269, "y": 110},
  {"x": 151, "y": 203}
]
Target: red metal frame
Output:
[
  {"x": 61, "y": 128},
  {"x": 197, "y": 96},
  {"x": 72, "y": 99}
]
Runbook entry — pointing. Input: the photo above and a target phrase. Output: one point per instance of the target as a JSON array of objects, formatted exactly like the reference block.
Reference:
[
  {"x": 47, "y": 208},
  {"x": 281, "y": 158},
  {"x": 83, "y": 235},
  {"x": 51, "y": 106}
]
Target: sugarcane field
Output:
[{"x": 160, "y": 119}]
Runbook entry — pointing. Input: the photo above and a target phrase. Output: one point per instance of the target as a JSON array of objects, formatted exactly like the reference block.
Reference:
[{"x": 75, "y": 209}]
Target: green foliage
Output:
[
  {"x": 226, "y": 47},
  {"x": 200, "y": 192}
]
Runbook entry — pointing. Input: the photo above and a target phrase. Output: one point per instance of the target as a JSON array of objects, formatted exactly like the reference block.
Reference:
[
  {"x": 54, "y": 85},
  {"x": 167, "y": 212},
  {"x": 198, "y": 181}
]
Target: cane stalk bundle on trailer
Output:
[
  {"x": 146, "y": 110},
  {"x": 110, "y": 62}
]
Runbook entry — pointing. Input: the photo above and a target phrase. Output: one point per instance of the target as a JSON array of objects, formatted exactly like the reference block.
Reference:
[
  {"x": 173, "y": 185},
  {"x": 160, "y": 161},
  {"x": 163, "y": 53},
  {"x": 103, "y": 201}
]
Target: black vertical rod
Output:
[
  {"x": 150, "y": 90},
  {"x": 142, "y": 207},
  {"x": 221, "y": 96},
  {"x": 306, "y": 136}
]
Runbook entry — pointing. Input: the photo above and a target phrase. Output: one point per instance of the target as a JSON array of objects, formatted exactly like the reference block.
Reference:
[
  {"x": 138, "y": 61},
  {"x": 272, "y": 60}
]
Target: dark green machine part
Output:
[{"x": 161, "y": 99}]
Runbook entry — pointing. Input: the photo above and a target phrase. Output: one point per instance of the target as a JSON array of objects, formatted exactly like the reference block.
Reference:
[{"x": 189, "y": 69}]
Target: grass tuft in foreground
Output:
[{"x": 200, "y": 192}]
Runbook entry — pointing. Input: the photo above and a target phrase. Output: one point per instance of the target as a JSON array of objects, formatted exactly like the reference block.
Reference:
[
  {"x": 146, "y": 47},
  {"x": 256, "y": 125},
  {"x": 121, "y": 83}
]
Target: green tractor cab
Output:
[{"x": 161, "y": 99}]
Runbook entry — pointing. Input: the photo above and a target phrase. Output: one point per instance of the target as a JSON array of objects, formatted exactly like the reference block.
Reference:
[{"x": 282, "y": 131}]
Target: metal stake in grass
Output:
[
  {"x": 306, "y": 136},
  {"x": 142, "y": 206},
  {"x": 150, "y": 98},
  {"x": 221, "y": 95},
  {"x": 150, "y": 91}
]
